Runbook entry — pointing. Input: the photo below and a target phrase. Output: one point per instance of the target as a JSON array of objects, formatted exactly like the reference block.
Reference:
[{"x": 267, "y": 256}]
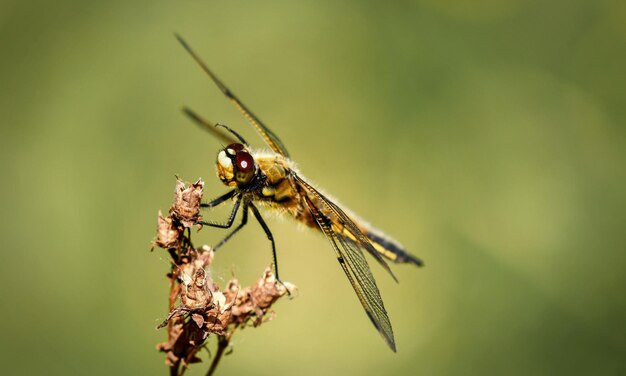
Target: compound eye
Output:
[
  {"x": 244, "y": 161},
  {"x": 233, "y": 149}
]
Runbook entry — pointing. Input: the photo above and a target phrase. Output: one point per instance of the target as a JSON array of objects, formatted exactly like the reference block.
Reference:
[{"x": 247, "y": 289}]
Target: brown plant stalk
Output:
[{"x": 203, "y": 307}]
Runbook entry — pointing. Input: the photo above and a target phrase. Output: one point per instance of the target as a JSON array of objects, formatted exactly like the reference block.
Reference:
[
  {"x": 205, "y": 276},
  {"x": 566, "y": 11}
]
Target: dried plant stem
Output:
[
  {"x": 172, "y": 304},
  {"x": 222, "y": 345}
]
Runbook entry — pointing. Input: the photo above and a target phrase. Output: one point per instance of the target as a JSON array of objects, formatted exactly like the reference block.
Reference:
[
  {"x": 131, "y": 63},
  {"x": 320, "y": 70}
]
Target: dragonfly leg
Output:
[
  {"x": 259, "y": 218},
  {"x": 230, "y": 220},
  {"x": 244, "y": 220},
  {"x": 228, "y": 195}
]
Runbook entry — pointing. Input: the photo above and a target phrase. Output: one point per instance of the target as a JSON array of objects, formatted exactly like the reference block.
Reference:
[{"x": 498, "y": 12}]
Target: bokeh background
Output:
[{"x": 488, "y": 136}]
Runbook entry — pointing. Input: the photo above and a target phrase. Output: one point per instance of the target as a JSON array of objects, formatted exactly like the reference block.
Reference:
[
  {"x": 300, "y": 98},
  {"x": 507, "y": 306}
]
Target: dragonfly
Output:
[{"x": 271, "y": 180}]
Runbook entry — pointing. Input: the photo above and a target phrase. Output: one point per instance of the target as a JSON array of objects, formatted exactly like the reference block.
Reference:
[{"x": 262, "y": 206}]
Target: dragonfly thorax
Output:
[{"x": 235, "y": 165}]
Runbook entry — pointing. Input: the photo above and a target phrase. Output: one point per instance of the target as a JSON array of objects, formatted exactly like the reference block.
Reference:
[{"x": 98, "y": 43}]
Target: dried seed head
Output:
[
  {"x": 186, "y": 205},
  {"x": 168, "y": 234},
  {"x": 204, "y": 257},
  {"x": 253, "y": 303},
  {"x": 195, "y": 290},
  {"x": 194, "y": 260},
  {"x": 266, "y": 292},
  {"x": 268, "y": 289}
]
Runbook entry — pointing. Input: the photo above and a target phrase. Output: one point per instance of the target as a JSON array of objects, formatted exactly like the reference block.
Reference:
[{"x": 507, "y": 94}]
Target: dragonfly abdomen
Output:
[{"x": 390, "y": 249}]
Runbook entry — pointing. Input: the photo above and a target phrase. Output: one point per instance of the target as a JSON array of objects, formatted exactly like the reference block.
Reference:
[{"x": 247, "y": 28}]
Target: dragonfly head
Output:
[{"x": 235, "y": 165}]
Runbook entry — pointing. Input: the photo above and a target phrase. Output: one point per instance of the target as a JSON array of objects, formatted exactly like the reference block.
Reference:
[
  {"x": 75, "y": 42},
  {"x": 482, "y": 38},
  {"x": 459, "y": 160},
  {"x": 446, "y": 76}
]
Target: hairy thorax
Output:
[{"x": 281, "y": 190}]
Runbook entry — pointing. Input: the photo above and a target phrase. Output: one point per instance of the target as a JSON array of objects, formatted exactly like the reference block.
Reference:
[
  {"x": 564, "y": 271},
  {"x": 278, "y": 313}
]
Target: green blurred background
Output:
[{"x": 488, "y": 136}]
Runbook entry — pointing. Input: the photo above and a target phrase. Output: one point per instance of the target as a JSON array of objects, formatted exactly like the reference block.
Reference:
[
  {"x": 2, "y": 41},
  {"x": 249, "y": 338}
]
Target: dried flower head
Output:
[
  {"x": 168, "y": 234},
  {"x": 186, "y": 206},
  {"x": 252, "y": 303}
]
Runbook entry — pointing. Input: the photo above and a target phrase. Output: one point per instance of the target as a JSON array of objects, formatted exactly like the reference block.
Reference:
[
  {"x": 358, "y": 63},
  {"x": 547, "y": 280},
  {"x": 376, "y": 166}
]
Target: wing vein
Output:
[{"x": 354, "y": 265}]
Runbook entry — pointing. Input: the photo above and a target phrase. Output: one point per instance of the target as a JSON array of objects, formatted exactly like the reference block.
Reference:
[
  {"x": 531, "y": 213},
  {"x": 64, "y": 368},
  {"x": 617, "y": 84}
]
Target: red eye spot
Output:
[
  {"x": 235, "y": 147},
  {"x": 245, "y": 162}
]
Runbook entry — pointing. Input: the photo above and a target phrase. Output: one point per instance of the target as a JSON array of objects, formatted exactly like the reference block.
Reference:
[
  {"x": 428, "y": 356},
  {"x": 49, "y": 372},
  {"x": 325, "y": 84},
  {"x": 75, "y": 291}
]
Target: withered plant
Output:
[{"x": 197, "y": 305}]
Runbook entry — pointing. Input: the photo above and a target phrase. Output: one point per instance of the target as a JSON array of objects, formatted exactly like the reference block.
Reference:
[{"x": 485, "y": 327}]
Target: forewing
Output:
[
  {"x": 354, "y": 265},
  {"x": 270, "y": 138}
]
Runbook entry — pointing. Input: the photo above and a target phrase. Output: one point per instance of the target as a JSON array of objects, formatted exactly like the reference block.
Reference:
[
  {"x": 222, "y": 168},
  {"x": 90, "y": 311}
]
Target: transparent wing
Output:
[
  {"x": 345, "y": 228},
  {"x": 351, "y": 258},
  {"x": 270, "y": 138}
]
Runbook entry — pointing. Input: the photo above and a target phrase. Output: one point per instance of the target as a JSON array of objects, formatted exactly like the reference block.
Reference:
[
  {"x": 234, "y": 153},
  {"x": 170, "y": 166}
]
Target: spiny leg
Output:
[
  {"x": 258, "y": 217},
  {"x": 244, "y": 220},
  {"x": 228, "y": 195},
  {"x": 230, "y": 220}
]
